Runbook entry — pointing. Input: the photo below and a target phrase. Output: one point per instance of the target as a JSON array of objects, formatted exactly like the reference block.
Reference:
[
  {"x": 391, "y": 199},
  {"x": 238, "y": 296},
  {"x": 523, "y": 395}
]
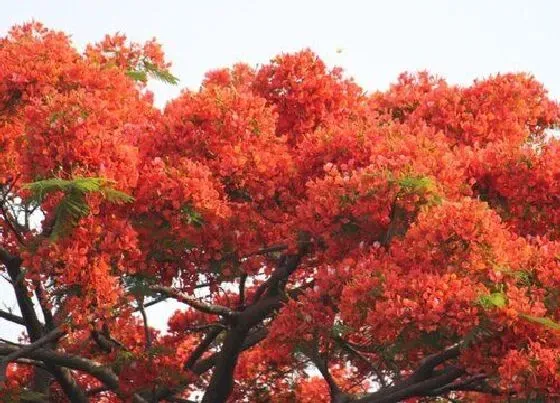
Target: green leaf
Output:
[
  {"x": 524, "y": 278},
  {"x": 191, "y": 216},
  {"x": 348, "y": 199},
  {"x": 32, "y": 396},
  {"x": 137, "y": 75},
  {"x": 412, "y": 184},
  {"x": 73, "y": 206},
  {"x": 494, "y": 300},
  {"x": 420, "y": 185},
  {"x": 341, "y": 329},
  {"x": 541, "y": 321},
  {"x": 116, "y": 196},
  {"x": 162, "y": 75},
  {"x": 68, "y": 213},
  {"x": 139, "y": 284}
]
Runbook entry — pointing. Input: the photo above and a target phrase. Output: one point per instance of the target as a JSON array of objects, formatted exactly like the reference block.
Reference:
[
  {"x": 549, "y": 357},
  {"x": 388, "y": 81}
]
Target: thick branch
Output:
[
  {"x": 68, "y": 384},
  {"x": 423, "y": 380},
  {"x": 35, "y": 331},
  {"x": 473, "y": 383},
  {"x": 47, "y": 314},
  {"x": 202, "y": 366},
  {"x": 242, "y": 281},
  {"x": 351, "y": 350},
  {"x": 252, "y": 339},
  {"x": 202, "y": 347},
  {"x": 12, "y": 318},
  {"x": 322, "y": 365},
  {"x": 147, "y": 335},
  {"x": 428, "y": 364},
  {"x": 194, "y": 302},
  {"x": 103, "y": 374},
  {"x": 222, "y": 378},
  {"x": 48, "y": 338},
  {"x": 286, "y": 266},
  {"x": 32, "y": 324},
  {"x": 422, "y": 388}
]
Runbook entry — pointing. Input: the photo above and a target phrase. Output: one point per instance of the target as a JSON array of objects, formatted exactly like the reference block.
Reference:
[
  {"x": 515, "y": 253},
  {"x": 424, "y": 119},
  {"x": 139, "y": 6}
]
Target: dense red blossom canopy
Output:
[{"x": 327, "y": 244}]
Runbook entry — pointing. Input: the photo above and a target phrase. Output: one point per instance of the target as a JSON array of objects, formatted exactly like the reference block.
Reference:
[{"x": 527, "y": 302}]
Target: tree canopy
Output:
[{"x": 327, "y": 244}]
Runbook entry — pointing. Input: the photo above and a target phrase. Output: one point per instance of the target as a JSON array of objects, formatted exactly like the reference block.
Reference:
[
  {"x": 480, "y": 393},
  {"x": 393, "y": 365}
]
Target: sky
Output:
[
  {"x": 457, "y": 40},
  {"x": 373, "y": 41}
]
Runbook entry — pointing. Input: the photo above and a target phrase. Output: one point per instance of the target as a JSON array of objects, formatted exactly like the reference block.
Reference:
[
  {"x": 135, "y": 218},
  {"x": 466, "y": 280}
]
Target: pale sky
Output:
[{"x": 457, "y": 40}]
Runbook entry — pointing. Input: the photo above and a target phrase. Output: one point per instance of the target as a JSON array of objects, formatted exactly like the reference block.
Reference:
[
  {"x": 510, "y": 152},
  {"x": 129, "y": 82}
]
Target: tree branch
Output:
[
  {"x": 12, "y": 318},
  {"x": 54, "y": 358},
  {"x": 11, "y": 226},
  {"x": 203, "y": 366},
  {"x": 348, "y": 348},
  {"x": 473, "y": 383},
  {"x": 32, "y": 324},
  {"x": 202, "y": 347},
  {"x": 397, "y": 394},
  {"x": 22, "y": 352},
  {"x": 47, "y": 314},
  {"x": 35, "y": 331},
  {"x": 194, "y": 302},
  {"x": 242, "y": 282},
  {"x": 423, "y": 380},
  {"x": 147, "y": 335},
  {"x": 428, "y": 364},
  {"x": 221, "y": 381},
  {"x": 322, "y": 365},
  {"x": 286, "y": 266}
]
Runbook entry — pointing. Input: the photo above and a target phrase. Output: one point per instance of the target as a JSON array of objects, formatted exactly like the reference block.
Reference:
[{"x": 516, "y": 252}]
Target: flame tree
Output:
[{"x": 326, "y": 244}]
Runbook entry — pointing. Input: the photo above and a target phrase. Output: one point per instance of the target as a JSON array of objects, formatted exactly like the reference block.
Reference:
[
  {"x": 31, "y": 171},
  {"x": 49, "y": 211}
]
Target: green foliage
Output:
[
  {"x": 137, "y": 75},
  {"x": 147, "y": 69},
  {"x": 494, "y": 300},
  {"x": 139, "y": 285},
  {"x": 192, "y": 217},
  {"x": 31, "y": 396},
  {"x": 415, "y": 184},
  {"x": 122, "y": 359},
  {"x": 541, "y": 321},
  {"x": 340, "y": 329},
  {"x": 418, "y": 184},
  {"x": 161, "y": 75},
  {"x": 73, "y": 205},
  {"x": 348, "y": 199},
  {"x": 499, "y": 300},
  {"x": 524, "y": 278}
]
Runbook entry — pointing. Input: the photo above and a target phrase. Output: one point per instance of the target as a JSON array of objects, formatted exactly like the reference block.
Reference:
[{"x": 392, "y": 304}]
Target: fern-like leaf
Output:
[
  {"x": 547, "y": 322},
  {"x": 73, "y": 205},
  {"x": 146, "y": 69},
  {"x": 137, "y": 75},
  {"x": 161, "y": 75}
]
